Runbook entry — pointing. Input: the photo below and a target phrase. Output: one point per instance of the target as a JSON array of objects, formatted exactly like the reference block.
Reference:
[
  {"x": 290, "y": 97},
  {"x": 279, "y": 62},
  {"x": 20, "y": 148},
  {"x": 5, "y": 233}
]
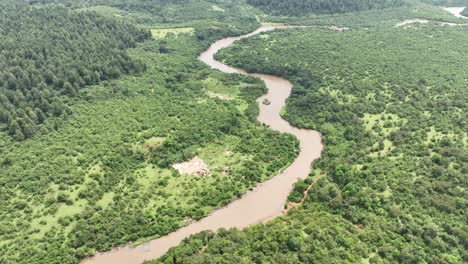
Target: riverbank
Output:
[{"x": 267, "y": 200}]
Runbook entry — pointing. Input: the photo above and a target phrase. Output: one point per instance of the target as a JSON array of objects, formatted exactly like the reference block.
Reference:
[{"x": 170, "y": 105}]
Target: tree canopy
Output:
[
  {"x": 303, "y": 7},
  {"x": 49, "y": 53}
]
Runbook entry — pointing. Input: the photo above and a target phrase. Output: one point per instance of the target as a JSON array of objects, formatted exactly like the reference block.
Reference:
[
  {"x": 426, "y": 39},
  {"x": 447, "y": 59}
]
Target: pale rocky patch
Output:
[
  {"x": 220, "y": 96},
  {"x": 195, "y": 167}
]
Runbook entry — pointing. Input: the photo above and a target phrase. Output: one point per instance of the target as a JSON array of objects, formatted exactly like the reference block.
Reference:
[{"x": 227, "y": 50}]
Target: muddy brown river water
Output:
[{"x": 266, "y": 201}]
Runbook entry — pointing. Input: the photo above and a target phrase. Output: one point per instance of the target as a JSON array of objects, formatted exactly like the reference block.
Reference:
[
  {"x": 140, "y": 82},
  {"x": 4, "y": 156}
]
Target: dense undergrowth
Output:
[
  {"x": 391, "y": 104},
  {"x": 48, "y": 52}
]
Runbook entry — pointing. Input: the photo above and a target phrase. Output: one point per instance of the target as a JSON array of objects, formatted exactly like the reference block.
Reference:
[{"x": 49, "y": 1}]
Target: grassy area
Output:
[
  {"x": 215, "y": 86},
  {"x": 163, "y": 32},
  {"x": 103, "y": 10},
  {"x": 382, "y": 123}
]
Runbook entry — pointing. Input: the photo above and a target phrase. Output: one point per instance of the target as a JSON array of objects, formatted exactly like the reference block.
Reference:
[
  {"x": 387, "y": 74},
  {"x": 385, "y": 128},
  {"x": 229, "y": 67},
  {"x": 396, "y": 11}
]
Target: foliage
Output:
[
  {"x": 392, "y": 118},
  {"x": 166, "y": 11},
  {"x": 49, "y": 52},
  {"x": 302, "y": 7},
  {"x": 299, "y": 238},
  {"x": 446, "y": 2},
  {"x": 102, "y": 177}
]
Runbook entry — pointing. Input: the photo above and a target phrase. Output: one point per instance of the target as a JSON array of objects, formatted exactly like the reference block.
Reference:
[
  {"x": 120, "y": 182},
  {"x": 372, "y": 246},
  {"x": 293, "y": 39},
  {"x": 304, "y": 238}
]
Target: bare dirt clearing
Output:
[{"x": 195, "y": 167}]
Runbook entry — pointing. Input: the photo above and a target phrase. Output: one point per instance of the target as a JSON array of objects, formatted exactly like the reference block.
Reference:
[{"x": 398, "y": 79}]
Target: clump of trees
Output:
[
  {"x": 305, "y": 237},
  {"x": 49, "y": 53},
  {"x": 446, "y": 2},
  {"x": 303, "y": 7}
]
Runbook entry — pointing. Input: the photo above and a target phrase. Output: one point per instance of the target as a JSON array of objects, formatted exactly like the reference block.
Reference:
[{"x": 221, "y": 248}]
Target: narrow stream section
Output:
[{"x": 267, "y": 200}]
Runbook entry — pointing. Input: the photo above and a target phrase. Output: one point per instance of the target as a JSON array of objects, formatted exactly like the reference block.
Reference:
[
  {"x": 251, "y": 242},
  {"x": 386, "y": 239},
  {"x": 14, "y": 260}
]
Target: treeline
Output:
[
  {"x": 165, "y": 11},
  {"x": 307, "y": 236},
  {"x": 303, "y": 7},
  {"x": 446, "y": 2},
  {"x": 50, "y": 52}
]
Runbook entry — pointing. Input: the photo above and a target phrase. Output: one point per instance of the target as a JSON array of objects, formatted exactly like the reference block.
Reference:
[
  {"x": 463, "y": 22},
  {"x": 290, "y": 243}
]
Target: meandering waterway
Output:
[{"x": 267, "y": 200}]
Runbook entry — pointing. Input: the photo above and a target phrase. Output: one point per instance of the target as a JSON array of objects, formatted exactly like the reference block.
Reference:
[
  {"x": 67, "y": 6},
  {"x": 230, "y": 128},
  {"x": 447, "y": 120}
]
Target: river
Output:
[
  {"x": 456, "y": 11},
  {"x": 264, "y": 202},
  {"x": 267, "y": 200}
]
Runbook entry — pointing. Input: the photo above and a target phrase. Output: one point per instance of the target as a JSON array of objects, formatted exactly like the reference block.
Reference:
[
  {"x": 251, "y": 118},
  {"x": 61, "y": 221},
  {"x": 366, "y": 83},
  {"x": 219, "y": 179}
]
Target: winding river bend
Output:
[
  {"x": 264, "y": 202},
  {"x": 267, "y": 200}
]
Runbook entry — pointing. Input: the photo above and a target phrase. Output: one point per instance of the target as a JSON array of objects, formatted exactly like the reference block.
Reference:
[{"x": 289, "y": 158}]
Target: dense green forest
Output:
[
  {"x": 49, "y": 52},
  {"x": 101, "y": 176},
  {"x": 446, "y": 2},
  {"x": 99, "y": 98},
  {"x": 166, "y": 11},
  {"x": 394, "y": 125},
  {"x": 302, "y": 7}
]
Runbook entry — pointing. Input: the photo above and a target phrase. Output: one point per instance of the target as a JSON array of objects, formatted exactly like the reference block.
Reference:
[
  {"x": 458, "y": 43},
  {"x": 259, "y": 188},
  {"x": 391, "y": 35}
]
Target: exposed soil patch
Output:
[
  {"x": 203, "y": 249},
  {"x": 220, "y": 96},
  {"x": 359, "y": 226},
  {"x": 195, "y": 167}
]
